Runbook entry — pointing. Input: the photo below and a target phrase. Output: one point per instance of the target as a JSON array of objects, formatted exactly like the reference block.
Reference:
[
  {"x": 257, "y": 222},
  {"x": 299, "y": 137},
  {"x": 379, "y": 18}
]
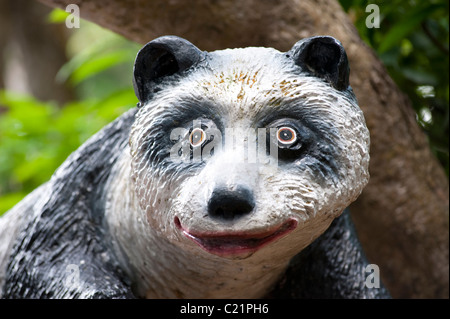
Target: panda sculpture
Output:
[{"x": 230, "y": 179}]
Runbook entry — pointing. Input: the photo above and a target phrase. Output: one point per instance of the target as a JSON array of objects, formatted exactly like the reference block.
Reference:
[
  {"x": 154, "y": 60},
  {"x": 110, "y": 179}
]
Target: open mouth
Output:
[{"x": 237, "y": 244}]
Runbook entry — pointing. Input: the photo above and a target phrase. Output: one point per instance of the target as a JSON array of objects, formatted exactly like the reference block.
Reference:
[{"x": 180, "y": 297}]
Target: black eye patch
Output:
[
  {"x": 302, "y": 144},
  {"x": 293, "y": 139}
]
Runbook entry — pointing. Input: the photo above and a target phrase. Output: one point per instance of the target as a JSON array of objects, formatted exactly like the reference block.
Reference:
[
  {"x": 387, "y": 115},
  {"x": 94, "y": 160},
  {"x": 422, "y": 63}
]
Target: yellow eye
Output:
[
  {"x": 197, "y": 137},
  {"x": 286, "y": 135}
]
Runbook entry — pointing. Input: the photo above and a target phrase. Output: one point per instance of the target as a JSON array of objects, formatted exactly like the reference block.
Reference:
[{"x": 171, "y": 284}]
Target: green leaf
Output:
[
  {"x": 57, "y": 16},
  {"x": 403, "y": 27},
  {"x": 109, "y": 42},
  {"x": 98, "y": 64},
  {"x": 420, "y": 76},
  {"x": 116, "y": 104},
  {"x": 7, "y": 201}
]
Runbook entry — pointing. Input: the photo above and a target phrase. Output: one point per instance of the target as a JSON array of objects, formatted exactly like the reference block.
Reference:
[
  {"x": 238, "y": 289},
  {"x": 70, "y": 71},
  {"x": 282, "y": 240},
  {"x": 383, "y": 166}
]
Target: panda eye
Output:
[
  {"x": 197, "y": 137},
  {"x": 286, "y": 135}
]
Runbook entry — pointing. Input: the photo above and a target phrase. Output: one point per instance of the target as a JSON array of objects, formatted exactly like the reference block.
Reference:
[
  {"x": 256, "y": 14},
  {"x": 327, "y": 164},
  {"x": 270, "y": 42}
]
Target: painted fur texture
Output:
[{"x": 228, "y": 180}]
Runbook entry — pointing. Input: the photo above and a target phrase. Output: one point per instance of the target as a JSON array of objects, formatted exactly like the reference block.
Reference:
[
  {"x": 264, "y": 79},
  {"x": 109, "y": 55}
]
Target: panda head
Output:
[{"x": 244, "y": 152}]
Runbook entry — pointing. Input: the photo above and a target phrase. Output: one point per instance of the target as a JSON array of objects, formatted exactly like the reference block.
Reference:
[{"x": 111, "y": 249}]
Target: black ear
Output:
[
  {"x": 159, "y": 58},
  {"x": 324, "y": 57}
]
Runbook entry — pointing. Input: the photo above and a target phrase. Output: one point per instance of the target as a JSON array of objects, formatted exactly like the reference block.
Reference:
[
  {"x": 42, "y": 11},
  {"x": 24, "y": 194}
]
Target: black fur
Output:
[
  {"x": 160, "y": 58},
  {"x": 69, "y": 228},
  {"x": 332, "y": 267},
  {"x": 325, "y": 58},
  {"x": 64, "y": 221}
]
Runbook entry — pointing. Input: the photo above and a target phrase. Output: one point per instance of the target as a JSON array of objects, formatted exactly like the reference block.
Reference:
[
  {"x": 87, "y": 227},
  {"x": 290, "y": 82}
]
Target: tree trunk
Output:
[
  {"x": 32, "y": 51},
  {"x": 402, "y": 215}
]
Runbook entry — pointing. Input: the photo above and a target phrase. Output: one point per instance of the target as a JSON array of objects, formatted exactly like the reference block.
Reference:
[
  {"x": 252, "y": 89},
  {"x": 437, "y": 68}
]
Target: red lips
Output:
[{"x": 237, "y": 244}]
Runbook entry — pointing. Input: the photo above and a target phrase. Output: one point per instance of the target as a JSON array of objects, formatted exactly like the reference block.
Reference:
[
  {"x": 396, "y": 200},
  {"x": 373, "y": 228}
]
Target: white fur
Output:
[{"x": 143, "y": 200}]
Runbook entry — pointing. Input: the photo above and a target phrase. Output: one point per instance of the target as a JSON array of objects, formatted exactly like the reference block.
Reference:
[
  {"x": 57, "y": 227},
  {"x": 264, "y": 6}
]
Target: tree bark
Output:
[
  {"x": 402, "y": 215},
  {"x": 34, "y": 48}
]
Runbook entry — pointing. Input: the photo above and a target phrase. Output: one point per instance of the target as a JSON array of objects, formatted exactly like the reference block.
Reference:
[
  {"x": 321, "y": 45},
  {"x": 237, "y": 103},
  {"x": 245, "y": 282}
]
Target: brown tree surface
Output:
[
  {"x": 402, "y": 215},
  {"x": 33, "y": 49}
]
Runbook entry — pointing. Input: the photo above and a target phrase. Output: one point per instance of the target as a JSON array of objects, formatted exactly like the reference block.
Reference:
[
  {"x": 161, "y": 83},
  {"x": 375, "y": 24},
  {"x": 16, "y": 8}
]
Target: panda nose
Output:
[{"x": 229, "y": 204}]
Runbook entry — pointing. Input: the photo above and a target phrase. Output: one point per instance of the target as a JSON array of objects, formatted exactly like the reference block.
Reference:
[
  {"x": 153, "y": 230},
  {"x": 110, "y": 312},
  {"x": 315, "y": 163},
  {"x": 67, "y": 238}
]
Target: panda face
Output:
[{"x": 247, "y": 154}]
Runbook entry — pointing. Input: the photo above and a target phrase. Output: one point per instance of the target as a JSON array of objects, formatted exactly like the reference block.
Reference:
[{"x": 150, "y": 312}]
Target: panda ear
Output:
[
  {"x": 324, "y": 57},
  {"x": 159, "y": 58}
]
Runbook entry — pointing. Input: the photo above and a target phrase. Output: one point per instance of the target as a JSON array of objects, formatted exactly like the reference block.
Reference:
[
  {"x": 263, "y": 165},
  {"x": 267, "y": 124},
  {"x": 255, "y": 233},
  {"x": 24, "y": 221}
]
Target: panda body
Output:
[{"x": 228, "y": 180}]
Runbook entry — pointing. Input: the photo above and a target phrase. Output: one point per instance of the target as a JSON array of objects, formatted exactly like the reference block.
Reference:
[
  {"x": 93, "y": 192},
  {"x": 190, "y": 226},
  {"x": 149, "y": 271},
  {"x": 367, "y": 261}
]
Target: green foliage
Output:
[
  {"x": 413, "y": 43},
  {"x": 36, "y": 137},
  {"x": 57, "y": 16}
]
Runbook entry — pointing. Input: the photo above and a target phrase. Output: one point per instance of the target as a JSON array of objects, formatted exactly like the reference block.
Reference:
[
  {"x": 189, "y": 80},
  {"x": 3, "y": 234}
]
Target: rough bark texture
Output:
[{"x": 402, "y": 216}]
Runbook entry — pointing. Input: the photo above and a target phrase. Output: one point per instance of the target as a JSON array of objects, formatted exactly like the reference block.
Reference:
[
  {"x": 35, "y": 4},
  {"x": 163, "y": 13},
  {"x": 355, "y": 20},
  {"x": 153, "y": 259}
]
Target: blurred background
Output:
[{"x": 58, "y": 86}]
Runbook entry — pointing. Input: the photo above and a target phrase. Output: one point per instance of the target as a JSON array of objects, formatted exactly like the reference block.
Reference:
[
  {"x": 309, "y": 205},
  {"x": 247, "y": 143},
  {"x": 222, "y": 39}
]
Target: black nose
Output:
[{"x": 230, "y": 204}]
